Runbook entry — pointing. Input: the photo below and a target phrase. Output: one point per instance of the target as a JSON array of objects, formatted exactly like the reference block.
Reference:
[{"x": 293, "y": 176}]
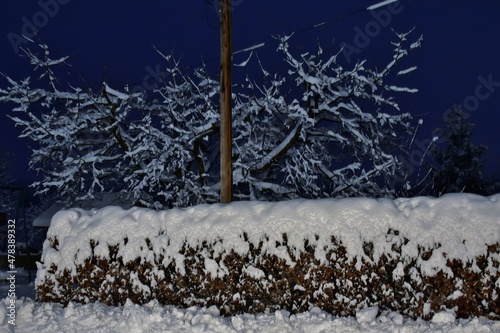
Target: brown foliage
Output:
[{"x": 336, "y": 286}]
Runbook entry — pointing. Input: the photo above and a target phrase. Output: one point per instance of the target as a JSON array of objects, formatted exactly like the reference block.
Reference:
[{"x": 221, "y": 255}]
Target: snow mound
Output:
[
  {"x": 153, "y": 317},
  {"x": 443, "y": 317},
  {"x": 367, "y": 315}
]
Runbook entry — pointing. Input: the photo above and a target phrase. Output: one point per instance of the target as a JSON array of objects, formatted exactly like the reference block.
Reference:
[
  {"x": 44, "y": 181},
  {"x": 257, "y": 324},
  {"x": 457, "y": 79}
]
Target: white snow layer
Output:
[
  {"x": 459, "y": 226},
  {"x": 154, "y": 317}
]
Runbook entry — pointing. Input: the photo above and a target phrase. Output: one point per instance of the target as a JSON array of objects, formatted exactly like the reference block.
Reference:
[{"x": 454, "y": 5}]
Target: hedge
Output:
[{"x": 259, "y": 282}]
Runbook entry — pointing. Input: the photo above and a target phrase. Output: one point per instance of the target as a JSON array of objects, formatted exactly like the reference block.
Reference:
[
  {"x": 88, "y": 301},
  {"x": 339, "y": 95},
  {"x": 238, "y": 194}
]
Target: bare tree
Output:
[{"x": 320, "y": 130}]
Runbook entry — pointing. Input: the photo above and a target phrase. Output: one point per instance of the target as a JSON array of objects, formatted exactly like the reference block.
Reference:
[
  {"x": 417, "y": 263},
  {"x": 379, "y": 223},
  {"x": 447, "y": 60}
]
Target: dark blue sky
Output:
[{"x": 113, "y": 40}]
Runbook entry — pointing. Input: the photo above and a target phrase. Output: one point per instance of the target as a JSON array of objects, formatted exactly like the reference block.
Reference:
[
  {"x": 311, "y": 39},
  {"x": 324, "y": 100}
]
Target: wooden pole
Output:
[{"x": 226, "y": 191}]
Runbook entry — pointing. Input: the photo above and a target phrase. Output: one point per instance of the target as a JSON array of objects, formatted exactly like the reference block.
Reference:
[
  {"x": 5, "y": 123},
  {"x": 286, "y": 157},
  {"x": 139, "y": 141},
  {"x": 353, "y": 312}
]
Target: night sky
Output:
[{"x": 112, "y": 40}]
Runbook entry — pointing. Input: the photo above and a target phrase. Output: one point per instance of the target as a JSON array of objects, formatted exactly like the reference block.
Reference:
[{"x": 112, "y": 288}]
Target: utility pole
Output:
[{"x": 226, "y": 172}]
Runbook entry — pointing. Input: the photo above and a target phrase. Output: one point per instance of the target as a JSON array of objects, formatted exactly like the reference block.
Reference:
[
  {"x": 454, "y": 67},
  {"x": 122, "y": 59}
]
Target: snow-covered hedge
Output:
[{"x": 415, "y": 256}]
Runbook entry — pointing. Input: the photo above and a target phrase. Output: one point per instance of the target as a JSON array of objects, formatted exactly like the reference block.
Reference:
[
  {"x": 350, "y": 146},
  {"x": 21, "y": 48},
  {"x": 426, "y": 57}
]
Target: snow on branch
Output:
[{"x": 317, "y": 130}]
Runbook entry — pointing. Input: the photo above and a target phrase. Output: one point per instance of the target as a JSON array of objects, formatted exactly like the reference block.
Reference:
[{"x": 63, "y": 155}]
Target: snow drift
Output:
[{"x": 415, "y": 256}]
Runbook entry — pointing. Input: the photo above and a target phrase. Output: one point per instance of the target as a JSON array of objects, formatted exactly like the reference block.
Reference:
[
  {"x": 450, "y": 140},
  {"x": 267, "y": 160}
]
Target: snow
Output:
[
  {"x": 406, "y": 71},
  {"x": 253, "y": 272},
  {"x": 456, "y": 226},
  {"x": 443, "y": 317},
  {"x": 153, "y": 317},
  {"x": 141, "y": 145},
  {"x": 251, "y": 48},
  {"x": 461, "y": 223},
  {"x": 367, "y": 315},
  {"x": 380, "y": 4}
]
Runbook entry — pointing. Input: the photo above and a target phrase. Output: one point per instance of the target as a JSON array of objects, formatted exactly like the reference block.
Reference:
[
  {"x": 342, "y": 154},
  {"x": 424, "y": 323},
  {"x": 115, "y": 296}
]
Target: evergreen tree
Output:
[{"x": 459, "y": 163}]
